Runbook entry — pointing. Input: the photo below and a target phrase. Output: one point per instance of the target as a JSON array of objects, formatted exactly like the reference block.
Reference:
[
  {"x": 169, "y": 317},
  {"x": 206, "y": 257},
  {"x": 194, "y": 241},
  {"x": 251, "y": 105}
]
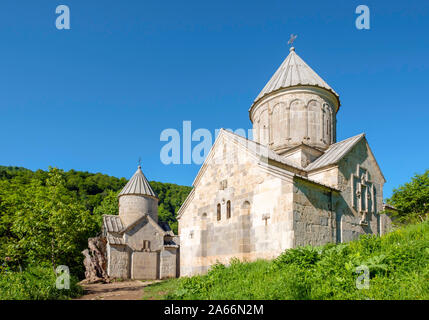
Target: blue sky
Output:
[{"x": 97, "y": 97}]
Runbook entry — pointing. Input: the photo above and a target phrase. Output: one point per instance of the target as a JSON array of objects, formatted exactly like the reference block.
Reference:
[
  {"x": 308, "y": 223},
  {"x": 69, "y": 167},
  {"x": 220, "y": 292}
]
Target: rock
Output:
[{"x": 95, "y": 261}]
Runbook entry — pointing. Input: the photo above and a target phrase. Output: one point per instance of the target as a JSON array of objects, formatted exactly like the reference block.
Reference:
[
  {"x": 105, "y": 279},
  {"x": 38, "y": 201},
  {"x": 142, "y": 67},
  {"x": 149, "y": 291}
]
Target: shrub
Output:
[
  {"x": 398, "y": 263},
  {"x": 35, "y": 283}
]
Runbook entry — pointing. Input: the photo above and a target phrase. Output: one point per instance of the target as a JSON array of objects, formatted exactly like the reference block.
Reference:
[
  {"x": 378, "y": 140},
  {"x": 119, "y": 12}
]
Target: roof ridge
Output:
[
  {"x": 342, "y": 141},
  {"x": 335, "y": 152},
  {"x": 294, "y": 71},
  {"x": 267, "y": 151}
]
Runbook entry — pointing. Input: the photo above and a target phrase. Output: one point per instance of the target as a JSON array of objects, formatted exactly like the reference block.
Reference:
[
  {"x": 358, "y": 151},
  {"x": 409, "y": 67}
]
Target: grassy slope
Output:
[
  {"x": 35, "y": 283},
  {"x": 398, "y": 263}
]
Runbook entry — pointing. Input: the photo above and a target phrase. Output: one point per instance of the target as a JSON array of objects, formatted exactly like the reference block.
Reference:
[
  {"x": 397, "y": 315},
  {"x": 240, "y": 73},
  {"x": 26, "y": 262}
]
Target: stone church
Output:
[
  {"x": 138, "y": 246},
  {"x": 292, "y": 185}
]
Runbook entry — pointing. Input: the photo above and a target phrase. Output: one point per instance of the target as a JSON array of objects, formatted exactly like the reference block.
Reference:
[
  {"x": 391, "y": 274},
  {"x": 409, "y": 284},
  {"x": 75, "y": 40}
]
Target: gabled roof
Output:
[
  {"x": 115, "y": 229},
  {"x": 331, "y": 156},
  {"x": 149, "y": 220},
  {"x": 254, "y": 148},
  {"x": 113, "y": 223},
  {"x": 335, "y": 152},
  {"x": 294, "y": 72},
  {"x": 138, "y": 185},
  {"x": 258, "y": 149}
]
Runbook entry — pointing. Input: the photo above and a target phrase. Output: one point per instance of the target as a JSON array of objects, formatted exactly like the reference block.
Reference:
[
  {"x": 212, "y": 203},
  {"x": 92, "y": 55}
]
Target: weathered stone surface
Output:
[
  {"x": 95, "y": 261},
  {"x": 168, "y": 263},
  {"x": 145, "y": 265}
]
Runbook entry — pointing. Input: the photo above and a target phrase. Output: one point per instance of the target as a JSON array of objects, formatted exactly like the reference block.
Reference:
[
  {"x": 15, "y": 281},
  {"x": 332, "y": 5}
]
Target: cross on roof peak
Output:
[{"x": 291, "y": 40}]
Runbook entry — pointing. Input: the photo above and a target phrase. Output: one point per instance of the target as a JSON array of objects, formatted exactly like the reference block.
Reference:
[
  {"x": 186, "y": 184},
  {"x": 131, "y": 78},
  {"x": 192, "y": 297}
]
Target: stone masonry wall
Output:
[
  {"x": 260, "y": 225},
  {"x": 168, "y": 263},
  {"x": 144, "y": 231},
  {"x": 313, "y": 217},
  {"x": 118, "y": 261},
  {"x": 348, "y": 213}
]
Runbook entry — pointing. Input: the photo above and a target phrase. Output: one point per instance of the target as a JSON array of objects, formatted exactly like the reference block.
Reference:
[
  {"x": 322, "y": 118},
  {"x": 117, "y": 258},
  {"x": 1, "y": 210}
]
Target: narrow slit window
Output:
[
  {"x": 218, "y": 212},
  {"x": 228, "y": 209},
  {"x": 146, "y": 245}
]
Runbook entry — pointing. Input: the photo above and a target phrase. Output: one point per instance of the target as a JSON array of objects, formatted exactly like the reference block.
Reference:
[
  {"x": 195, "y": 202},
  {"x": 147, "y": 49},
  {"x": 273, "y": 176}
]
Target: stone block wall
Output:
[
  {"x": 327, "y": 176},
  {"x": 145, "y": 265},
  {"x": 118, "y": 265},
  {"x": 260, "y": 225},
  {"x": 359, "y": 161},
  {"x": 312, "y": 214},
  {"x": 144, "y": 231},
  {"x": 168, "y": 263}
]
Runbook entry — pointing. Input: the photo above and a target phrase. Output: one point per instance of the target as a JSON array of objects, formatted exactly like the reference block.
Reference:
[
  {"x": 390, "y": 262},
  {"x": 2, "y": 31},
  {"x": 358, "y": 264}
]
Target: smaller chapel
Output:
[{"x": 138, "y": 246}]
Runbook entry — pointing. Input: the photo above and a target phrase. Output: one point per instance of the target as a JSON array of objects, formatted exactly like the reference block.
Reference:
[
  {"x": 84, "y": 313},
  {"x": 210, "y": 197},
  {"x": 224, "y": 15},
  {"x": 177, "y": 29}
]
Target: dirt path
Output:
[{"x": 124, "y": 290}]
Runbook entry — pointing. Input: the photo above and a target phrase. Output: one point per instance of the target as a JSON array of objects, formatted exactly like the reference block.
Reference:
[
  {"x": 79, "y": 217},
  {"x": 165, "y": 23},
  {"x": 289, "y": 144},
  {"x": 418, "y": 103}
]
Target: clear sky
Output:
[{"x": 96, "y": 97}]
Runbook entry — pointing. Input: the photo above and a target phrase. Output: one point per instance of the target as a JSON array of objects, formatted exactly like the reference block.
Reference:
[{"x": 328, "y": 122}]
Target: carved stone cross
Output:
[
  {"x": 266, "y": 217},
  {"x": 362, "y": 193}
]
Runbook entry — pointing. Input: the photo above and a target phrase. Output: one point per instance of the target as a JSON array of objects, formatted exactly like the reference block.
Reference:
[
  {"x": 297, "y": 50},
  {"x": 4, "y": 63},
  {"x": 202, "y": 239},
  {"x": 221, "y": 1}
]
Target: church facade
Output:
[
  {"x": 292, "y": 185},
  {"x": 138, "y": 246}
]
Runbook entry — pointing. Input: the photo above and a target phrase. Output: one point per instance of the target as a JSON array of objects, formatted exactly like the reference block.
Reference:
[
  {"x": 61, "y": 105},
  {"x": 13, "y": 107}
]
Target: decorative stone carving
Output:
[
  {"x": 363, "y": 194},
  {"x": 265, "y": 217}
]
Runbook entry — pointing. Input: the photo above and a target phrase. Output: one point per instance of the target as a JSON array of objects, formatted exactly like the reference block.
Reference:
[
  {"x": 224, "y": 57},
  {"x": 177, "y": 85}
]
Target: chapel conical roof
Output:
[
  {"x": 138, "y": 185},
  {"x": 294, "y": 72}
]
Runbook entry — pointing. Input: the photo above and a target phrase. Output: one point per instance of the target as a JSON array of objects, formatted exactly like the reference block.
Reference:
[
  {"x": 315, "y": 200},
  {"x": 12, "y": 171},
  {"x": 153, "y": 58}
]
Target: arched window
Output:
[
  {"x": 228, "y": 209},
  {"x": 245, "y": 208},
  {"x": 218, "y": 212}
]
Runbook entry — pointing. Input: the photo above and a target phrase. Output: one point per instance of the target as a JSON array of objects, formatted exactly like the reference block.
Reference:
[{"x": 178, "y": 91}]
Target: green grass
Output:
[
  {"x": 160, "y": 290},
  {"x": 398, "y": 263},
  {"x": 35, "y": 283}
]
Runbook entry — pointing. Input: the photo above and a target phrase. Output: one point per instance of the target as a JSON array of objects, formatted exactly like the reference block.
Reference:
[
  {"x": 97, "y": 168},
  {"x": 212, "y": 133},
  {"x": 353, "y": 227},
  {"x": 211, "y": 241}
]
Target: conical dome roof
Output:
[
  {"x": 294, "y": 72},
  {"x": 138, "y": 185}
]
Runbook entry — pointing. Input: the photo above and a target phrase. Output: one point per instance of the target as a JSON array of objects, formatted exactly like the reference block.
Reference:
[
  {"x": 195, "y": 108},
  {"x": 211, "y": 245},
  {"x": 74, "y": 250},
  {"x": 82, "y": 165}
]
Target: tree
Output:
[
  {"x": 412, "y": 199},
  {"x": 109, "y": 205},
  {"x": 50, "y": 224}
]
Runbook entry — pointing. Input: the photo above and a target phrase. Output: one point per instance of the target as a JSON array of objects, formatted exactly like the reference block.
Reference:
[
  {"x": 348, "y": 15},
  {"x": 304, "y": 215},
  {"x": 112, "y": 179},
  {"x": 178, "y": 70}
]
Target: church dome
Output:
[
  {"x": 137, "y": 199},
  {"x": 296, "y": 107},
  {"x": 138, "y": 185},
  {"x": 294, "y": 72}
]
